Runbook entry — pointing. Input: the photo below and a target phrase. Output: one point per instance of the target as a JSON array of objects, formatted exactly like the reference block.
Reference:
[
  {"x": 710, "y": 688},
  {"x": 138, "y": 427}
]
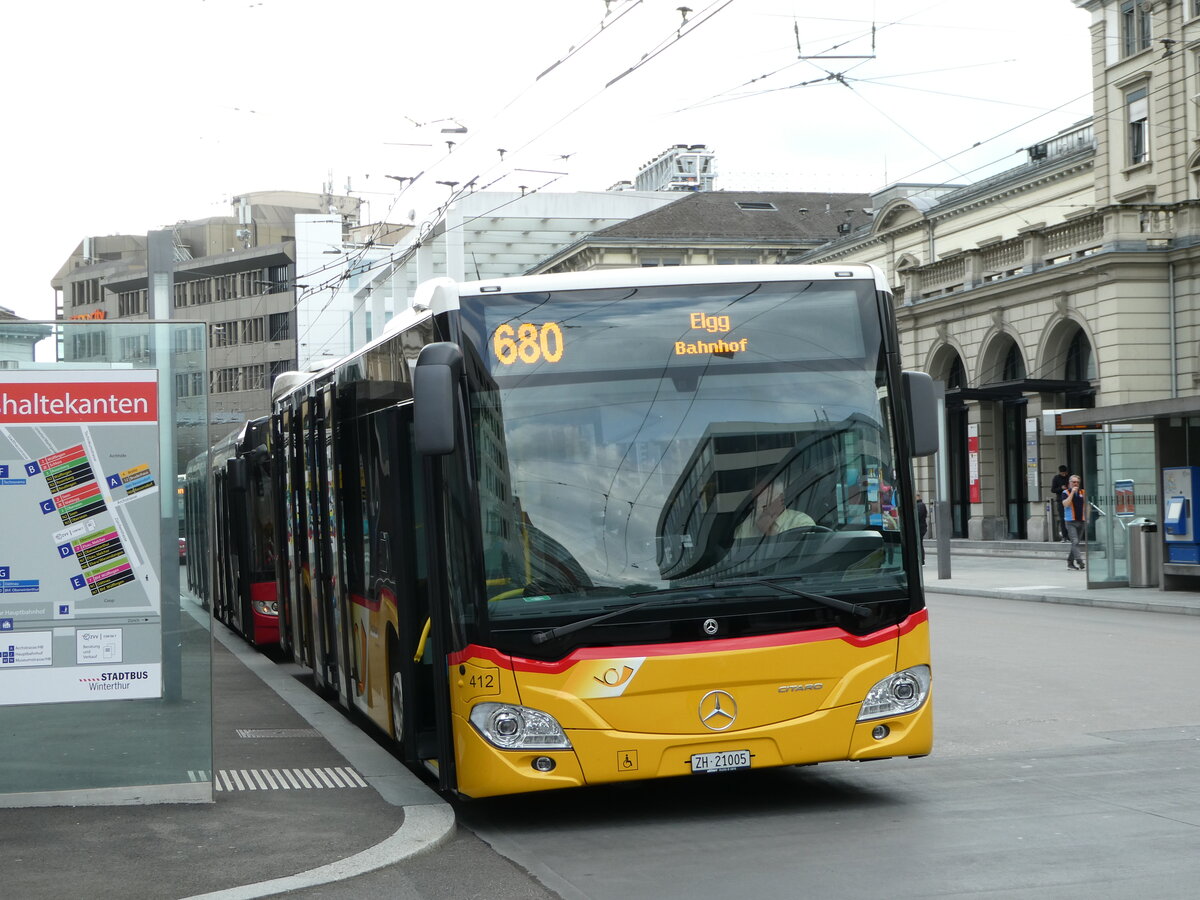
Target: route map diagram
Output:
[{"x": 80, "y": 604}]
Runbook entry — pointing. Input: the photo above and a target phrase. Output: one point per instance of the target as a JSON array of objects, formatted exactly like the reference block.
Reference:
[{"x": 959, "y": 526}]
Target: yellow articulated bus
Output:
[{"x": 562, "y": 530}]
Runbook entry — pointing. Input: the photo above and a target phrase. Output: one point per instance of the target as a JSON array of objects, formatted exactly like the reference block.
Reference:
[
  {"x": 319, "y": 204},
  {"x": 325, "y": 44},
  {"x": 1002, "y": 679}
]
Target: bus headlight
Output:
[
  {"x": 512, "y": 727},
  {"x": 900, "y": 693},
  {"x": 265, "y": 607}
]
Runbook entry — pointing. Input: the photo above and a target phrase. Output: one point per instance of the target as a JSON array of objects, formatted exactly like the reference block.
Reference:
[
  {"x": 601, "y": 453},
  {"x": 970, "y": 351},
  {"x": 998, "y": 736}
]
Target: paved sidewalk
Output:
[
  {"x": 304, "y": 798},
  {"x": 1038, "y": 572}
]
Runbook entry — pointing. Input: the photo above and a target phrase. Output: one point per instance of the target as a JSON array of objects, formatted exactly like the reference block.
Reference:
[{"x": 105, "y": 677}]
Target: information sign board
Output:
[{"x": 80, "y": 603}]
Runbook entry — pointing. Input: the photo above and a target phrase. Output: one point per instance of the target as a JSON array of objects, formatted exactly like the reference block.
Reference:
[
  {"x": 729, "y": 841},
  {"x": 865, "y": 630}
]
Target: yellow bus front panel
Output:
[{"x": 655, "y": 711}]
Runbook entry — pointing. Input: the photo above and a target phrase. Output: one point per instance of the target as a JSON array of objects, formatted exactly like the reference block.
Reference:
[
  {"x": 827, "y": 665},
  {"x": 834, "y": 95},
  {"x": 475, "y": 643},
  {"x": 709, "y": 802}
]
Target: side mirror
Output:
[
  {"x": 921, "y": 401},
  {"x": 435, "y": 405}
]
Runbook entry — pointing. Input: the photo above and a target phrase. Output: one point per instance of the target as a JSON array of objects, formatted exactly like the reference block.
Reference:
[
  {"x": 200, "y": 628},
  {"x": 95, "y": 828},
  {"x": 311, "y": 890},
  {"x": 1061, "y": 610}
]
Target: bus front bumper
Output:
[{"x": 599, "y": 756}]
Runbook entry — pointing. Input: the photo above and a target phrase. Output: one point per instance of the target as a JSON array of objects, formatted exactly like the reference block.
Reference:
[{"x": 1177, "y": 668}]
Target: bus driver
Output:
[{"x": 769, "y": 516}]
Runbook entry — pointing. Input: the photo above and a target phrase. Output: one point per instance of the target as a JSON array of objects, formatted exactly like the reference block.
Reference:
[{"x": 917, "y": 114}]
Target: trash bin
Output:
[{"x": 1143, "y": 553}]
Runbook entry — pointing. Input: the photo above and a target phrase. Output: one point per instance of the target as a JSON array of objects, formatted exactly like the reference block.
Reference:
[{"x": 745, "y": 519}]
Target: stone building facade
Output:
[{"x": 1069, "y": 282}]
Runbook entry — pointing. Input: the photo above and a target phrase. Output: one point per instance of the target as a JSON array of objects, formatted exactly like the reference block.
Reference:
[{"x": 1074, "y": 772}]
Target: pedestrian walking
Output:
[
  {"x": 1074, "y": 505},
  {"x": 1058, "y": 484}
]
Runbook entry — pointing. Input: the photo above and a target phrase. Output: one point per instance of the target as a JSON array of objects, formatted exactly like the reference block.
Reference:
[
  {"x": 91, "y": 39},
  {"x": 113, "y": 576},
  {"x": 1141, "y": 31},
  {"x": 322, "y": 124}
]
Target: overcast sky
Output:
[{"x": 128, "y": 115}]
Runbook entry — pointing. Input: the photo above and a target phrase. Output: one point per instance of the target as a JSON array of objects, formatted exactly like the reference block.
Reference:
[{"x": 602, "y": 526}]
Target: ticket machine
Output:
[{"x": 1181, "y": 517}]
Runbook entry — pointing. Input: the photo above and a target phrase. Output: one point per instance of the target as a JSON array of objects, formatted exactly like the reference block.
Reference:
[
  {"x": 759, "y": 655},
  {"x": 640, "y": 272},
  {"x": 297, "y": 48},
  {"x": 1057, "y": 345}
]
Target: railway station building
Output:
[{"x": 1070, "y": 282}]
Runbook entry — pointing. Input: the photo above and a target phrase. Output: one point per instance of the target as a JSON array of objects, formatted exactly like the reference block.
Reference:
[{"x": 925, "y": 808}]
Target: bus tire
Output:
[{"x": 395, "y": 690}]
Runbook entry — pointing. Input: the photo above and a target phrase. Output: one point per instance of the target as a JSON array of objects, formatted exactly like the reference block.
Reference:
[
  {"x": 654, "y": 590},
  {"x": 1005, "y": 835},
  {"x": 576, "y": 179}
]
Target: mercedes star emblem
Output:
[{"x": 718, "y": 709}]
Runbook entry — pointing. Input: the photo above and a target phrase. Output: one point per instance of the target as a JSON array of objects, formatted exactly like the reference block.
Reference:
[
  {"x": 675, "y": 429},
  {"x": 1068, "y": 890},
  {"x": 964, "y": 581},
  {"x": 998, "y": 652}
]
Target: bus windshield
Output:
[{"x": 653, "y": 439}]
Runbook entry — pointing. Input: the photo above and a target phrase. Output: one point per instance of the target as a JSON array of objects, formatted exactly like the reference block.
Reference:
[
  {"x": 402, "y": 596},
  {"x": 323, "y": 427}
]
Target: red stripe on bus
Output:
[
  {"x": 372, "y": 605},
  {"x": 474, "y": 651},
  {"x": 920, "y": 617},
  {"x": 360, "y": 600}
]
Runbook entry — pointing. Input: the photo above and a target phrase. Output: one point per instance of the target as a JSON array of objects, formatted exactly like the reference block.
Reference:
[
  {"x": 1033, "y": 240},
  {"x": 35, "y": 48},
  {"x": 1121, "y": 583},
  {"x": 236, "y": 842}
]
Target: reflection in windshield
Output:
[{"x": 623, "y": 468}]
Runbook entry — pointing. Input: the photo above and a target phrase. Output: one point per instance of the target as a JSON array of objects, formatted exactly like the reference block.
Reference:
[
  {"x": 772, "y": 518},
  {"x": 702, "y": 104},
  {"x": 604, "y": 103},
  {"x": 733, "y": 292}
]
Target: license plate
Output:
[{"x": 725, "y": 761}]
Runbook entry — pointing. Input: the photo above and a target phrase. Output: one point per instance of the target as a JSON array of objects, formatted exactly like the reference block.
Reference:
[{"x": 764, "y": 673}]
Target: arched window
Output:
[
  {"x": 1080, "y": 364},
  {"x": 957, "y": 377},
  {"x": 1013, "y": 368}
]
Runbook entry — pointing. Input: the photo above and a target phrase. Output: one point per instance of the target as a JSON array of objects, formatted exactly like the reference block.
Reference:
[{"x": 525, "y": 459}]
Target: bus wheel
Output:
[{"x": 396, "y": 687}]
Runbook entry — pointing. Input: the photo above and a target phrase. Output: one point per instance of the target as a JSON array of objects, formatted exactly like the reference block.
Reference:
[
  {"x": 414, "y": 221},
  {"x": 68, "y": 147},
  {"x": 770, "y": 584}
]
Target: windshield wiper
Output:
[
  {"x": 832, "y": 602},
  {"x": 698, "y": 592},
  {"x": 540, "y": 637}
]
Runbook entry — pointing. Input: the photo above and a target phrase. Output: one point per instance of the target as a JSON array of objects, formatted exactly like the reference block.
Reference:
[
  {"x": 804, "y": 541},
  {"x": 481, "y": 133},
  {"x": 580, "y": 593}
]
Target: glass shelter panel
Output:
[
  {"x": 1122, "y": 486},
  {"x": 105, "y": 667}
]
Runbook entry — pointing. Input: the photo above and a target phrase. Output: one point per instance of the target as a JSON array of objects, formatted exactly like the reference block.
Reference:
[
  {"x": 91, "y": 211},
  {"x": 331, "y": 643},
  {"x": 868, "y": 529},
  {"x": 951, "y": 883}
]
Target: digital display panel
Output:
[{"x": 630, "y": 328}]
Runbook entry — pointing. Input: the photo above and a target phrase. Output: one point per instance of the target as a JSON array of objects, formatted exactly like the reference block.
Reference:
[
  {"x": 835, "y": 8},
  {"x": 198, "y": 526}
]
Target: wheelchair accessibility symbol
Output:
[{"x": 627, "y": 761}]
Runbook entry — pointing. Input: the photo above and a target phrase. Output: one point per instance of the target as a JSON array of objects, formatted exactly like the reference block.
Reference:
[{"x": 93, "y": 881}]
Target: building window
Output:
[
  {"x": 223, "y": 381},
  {"x": 88, "y": 344},
  {"x": 188, "y": 339},
  {"x": 223, "y": 334},
  {"x": 666, "y": 259},
  {"x": 135, "y": 348},
  {"x": 1135, "y": 27},
  {"x": 1080, "y": 363},
  {"x": 255, "y": 378},
  {"x": 280, "y": 326},
  {"x": 1137, "y": 109},
  {"x": 1013, "y": 367},
  {"x": 85, "y": 292},
  {"x": 279, "y": 278},
  {"x": 957, "y": 377},
  {"x": 199, "y": 292},
  {"x": 131, "y": 303},
  {"x": 252, "y": 330}
]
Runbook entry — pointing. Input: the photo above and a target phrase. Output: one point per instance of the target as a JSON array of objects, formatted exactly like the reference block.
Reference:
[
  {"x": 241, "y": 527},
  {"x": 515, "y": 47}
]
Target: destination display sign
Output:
[
  {"x": 542, "y": 342},
  {"x": 666, "y": 327}
]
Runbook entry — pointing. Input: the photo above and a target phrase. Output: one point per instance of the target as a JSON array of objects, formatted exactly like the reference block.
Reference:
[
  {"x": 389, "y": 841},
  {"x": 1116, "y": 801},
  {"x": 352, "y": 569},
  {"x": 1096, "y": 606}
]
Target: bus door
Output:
[
  {"x": 317, "y": 539},
  {"x": 280, "y": 513},
  {"x": 302, "y": 569},
  {"x": 222, "y": 564},
  {"x": 365, "y": 612},
  {"x": 421, "y": 665},
  {"x": 237, "y": 514},
  {"x": 287, "y": 567},
  {"x": 333, "y": 579},
  {"x": 454, "y": 554},
  {"x": 388, "y": 606},
  {"x": 200, "y": 557}
]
